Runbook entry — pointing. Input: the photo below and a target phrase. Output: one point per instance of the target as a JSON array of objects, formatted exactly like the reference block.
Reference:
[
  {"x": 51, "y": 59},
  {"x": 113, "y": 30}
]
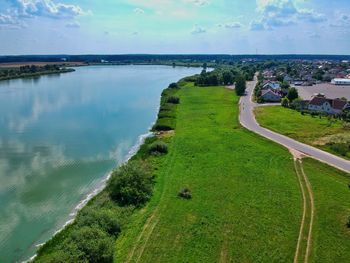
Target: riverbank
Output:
[
  {"x": 104, "y": 208},
  {"x": 38, "y": 74}
]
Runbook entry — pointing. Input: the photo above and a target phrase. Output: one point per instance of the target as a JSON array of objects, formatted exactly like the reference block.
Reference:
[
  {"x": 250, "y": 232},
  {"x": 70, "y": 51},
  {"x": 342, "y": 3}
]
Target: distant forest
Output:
[{"x": 140, "y": 58}]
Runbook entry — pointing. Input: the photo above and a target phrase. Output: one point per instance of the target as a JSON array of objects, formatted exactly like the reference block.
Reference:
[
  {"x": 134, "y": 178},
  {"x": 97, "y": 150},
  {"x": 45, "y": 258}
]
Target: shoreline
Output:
[
  {"x": 96, "y": 190},
  {"x": 38, "y": 74}
]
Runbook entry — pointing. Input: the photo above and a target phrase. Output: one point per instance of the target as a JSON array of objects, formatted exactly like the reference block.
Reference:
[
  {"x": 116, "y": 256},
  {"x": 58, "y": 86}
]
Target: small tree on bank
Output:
[
  {"x": 292, "y": 94},
  {"x": 240, "y": 85},
  {"x": 285, "y": 102}
]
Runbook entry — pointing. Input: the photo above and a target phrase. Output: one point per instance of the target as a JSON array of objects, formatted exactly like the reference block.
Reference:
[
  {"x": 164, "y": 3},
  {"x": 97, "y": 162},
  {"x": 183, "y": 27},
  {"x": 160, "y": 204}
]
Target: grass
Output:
[
  {"x": 331, "y": 237},
  {"x": 318, "y": 132},
  {"x": 246, "y": 203},
  {"x": 244, "y": 207}
]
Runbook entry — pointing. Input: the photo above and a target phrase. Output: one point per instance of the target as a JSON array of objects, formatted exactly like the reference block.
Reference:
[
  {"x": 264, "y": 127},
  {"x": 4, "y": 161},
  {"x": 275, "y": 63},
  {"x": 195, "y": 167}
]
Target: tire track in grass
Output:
[
  {"x": 297, "y": 251},
  {"x": 312, "y": 205},
  {"x": 304, "y": 244},
  {"x": 151, "y": 222}
]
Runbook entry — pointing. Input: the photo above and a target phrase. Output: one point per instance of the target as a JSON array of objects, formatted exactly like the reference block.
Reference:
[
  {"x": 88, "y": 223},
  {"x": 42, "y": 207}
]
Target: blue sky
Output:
[{"x": 174, "y": 26}]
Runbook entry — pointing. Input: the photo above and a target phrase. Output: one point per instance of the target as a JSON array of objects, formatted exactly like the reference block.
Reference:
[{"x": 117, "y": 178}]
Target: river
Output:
[{"x": 60, "y": 135}]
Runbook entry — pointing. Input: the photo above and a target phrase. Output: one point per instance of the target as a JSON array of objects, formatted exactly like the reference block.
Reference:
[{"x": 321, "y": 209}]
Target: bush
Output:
[
  {"x": 131, "y": 184},
  {"x": 173, "y": 86},
  {"x": 185, "y": 193},
  {"x": 158, "y": 147},
  {"x": 95, "y": 244},
  {"x": 103, "y": 218},
  {"x": 340, "y": 148},
  {"x": 348, "y": 223},
  {"x": 173, "y": 100},
  {"x": 285, "y": 102}
]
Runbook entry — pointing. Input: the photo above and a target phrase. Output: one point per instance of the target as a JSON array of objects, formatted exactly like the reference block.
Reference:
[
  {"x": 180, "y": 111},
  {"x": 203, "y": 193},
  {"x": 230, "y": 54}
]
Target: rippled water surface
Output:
[{"x": 59, "y": 137}]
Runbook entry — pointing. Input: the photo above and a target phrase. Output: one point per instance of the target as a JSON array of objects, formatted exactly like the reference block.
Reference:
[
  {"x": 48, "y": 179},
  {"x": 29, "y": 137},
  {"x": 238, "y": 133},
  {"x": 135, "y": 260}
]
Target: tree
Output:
[
  {"x": 96, "y": 245},
  {"x": 285, "y": 85},
  {"x": 131, "y": 184},
  {"x": 103, "y": 218},
  {"x": 227, "y": 77},
  {"x": 240, "y": 85},
  {"x": 292, "y": 94},
  {"x": 285, "y": 102},
  {"x": 173, "y": 86}
]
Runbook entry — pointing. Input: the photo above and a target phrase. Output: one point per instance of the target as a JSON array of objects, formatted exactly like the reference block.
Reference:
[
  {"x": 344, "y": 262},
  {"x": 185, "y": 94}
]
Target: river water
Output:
[{"x": 60, "y": 135}]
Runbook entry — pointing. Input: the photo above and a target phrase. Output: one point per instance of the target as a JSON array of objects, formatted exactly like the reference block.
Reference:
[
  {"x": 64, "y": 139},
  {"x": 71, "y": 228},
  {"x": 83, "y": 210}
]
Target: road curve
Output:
[{"x": 247, "y": 119}]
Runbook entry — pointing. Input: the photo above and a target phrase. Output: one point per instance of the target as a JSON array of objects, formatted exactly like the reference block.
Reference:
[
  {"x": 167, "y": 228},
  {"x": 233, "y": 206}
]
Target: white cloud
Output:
[
  {"x": 279, "y": 13},
  {"x": 198, "y": 30},
  {"x": 233, "y": 25},
  {"x": 46, "y": 8},
  {"x": 311, "y": 16},
  {"x": 198, "y": 2},
  {"x": 139, "y": 11},
  {"x": 256, "y": 26}
]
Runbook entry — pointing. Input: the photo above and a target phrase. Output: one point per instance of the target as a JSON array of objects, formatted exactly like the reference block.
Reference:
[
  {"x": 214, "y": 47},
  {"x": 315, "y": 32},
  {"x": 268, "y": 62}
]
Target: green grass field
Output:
[
  {"x": 246, "y": 204},
  {"x": 304, "y": 128},
  {"x": 331, "y": 237}
]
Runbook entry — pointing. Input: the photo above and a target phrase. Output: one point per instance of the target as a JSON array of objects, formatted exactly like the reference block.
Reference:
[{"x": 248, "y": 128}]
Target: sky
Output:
[{"x": 174, "y": 26}]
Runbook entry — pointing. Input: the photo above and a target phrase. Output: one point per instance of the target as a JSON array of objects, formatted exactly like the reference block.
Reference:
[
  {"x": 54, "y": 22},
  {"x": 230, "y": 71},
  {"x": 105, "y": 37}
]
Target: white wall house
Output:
[
  {"x": 338, "y": 81},
  {"x": 329, "y": 106},
  {"x": 320, "y": 105}
]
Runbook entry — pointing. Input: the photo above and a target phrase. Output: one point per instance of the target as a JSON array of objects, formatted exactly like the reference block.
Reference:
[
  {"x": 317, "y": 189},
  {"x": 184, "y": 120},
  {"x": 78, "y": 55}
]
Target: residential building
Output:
[
  {"x": 273, "y": 85},
  {"x": 269, "y": 95},
  {"x": 329, "y": 106}
]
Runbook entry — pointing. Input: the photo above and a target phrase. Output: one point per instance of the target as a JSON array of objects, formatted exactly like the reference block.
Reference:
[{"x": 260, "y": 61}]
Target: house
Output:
[
  {"x": 339, "y": 106},
  {"x": 320, "y": 103},
  {"x": 338, "y": 81},
  {"x": 272, "y": 85},
  {"x": 288, "y": 79},
  {"x": 269, "y": 95}
]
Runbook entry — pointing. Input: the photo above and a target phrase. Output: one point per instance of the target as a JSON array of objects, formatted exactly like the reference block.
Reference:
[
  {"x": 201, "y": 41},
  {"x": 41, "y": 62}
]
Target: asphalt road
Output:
[{"x": 247, "y": 119}]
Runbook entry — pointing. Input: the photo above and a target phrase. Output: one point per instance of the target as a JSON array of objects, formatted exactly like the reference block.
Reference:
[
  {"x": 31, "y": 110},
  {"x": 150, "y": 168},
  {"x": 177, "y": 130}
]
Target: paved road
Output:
[{"x": 247, "y": 119}]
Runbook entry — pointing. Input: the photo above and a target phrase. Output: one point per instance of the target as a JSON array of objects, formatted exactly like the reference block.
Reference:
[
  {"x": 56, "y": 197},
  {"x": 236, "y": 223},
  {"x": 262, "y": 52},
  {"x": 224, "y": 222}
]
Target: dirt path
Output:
[{"x": 304, "y": 244}]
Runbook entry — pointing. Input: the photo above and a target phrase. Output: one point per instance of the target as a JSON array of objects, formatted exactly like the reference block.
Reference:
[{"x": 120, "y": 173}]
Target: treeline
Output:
[
  {"x": 31, "y": 71},
  {"x": 227, "y": 75},
  {"x": 152, "y": 57}
]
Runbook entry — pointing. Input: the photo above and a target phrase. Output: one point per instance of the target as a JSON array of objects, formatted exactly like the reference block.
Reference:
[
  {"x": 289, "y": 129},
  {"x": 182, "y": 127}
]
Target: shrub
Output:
[
  {"x": 340, "y": 148},
  {"x": 173, "y": 100},
  {"x": 348, "y": 223},
  {"x": 131, "y": 184},
  {"x": 285, "y": 102},
  {"x": 95, "y": 244},
  {"x": 104, "y": 219},
  {"x": 185, "y": 193},
  {"x": 158, "y": 147},
  {"x": 173, "y": 86}
]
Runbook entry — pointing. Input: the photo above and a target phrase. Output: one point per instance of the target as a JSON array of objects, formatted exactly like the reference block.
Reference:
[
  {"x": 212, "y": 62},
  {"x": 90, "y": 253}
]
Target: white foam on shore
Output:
[{"x": 98, "y": 189}]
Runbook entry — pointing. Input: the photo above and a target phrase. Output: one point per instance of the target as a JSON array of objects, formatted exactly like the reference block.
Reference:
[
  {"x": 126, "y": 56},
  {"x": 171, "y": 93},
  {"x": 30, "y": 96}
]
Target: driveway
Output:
[{"x": 247, "y": 119}]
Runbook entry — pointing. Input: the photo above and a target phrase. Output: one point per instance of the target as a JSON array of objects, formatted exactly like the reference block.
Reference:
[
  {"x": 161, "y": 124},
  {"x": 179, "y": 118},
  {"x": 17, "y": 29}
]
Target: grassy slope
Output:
[
  {"x": 303, "y": 128},
  {"x": 331, "y": 236},
  {"x": 245, "y": 208}
]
